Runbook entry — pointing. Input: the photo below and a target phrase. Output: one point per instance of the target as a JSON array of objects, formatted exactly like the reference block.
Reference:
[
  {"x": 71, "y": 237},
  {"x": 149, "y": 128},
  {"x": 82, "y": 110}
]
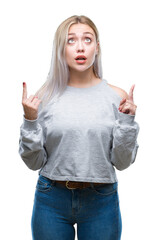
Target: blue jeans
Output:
[{"x": 94, "y": 209}]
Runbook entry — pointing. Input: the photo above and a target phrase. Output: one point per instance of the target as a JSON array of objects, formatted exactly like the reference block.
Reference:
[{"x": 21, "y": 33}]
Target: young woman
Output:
[{"x": 77, "y": 129}]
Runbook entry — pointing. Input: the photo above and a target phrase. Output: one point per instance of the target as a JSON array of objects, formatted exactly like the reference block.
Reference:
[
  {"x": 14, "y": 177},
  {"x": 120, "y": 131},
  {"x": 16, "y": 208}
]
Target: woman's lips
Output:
[{"x": 81, "y": 61}]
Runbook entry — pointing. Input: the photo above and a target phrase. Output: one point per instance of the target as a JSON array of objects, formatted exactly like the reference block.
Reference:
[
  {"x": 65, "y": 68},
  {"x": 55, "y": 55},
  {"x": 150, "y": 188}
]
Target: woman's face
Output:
[{"x": 81, "y": 47}]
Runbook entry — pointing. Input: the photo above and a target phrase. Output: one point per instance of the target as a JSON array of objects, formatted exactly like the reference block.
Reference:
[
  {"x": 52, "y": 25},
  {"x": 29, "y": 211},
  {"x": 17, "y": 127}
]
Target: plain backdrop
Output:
[{"x": 129, "y": 43}]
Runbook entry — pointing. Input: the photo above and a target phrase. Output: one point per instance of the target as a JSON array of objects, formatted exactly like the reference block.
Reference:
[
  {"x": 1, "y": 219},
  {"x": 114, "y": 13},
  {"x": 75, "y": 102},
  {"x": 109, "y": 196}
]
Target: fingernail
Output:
[{"x": 24, "y": 83}]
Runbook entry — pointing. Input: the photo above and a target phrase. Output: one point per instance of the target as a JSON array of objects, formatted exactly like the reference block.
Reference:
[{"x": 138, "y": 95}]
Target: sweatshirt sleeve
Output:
[
  {"x": 124, "y": 145},
  {"x": 31, "y": 144}
]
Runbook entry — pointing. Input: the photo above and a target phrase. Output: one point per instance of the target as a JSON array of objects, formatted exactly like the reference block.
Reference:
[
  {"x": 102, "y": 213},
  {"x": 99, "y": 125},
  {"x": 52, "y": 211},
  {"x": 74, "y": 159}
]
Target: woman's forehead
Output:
[{"x": 80, "y": 27}]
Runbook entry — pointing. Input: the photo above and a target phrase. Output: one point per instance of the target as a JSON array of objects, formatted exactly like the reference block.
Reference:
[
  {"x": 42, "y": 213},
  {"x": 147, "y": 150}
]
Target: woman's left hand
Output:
[{"x": 127, "y": 105}]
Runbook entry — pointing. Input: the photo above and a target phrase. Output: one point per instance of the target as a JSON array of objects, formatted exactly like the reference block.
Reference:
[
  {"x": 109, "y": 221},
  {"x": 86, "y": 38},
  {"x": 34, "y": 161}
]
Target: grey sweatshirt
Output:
[{"x": 81, "y": 136}]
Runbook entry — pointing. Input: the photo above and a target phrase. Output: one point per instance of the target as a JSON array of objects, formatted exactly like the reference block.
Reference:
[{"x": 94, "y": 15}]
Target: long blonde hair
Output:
[{"x": 58, "y": 75}]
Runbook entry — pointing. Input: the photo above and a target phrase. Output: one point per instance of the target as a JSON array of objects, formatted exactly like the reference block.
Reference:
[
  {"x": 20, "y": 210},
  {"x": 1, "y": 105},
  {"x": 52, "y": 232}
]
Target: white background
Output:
[{"x": 129, "y": 42}]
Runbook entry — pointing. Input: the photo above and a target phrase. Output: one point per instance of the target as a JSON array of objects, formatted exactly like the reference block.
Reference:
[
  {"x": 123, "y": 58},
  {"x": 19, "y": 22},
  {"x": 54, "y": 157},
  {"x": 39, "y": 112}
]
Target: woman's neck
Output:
[{"x": 82, "y": 79}]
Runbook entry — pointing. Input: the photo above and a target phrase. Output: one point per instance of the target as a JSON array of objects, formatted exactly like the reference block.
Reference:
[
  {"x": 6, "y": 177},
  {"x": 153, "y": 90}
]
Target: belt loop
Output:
[
  {"x": 92, "y": 186},
  {"x": 53, "y": 182}
]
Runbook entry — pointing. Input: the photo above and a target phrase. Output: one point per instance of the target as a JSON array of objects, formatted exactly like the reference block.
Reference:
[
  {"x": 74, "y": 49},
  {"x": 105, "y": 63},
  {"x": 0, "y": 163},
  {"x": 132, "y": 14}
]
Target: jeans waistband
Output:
[{"x": 80, "y": 185}]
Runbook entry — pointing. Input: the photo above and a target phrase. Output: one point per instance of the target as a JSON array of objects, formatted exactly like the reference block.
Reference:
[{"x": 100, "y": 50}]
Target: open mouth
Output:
[{"x": 80, "y": 59}]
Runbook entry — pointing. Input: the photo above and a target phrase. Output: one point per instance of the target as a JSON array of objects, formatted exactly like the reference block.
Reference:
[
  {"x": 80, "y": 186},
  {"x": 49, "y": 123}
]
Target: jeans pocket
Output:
[
  {"x": 44, "y": 184},
  {"x": 106, "y": 189}
]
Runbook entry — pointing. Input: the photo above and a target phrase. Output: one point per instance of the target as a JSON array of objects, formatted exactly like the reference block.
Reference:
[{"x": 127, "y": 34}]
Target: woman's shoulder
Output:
[{"x": 122, "y": 93}]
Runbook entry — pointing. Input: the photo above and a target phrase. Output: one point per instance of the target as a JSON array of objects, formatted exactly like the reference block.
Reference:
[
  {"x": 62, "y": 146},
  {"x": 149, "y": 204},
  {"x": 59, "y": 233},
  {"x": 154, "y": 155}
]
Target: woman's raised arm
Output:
[{"x": 32, "y": 137}]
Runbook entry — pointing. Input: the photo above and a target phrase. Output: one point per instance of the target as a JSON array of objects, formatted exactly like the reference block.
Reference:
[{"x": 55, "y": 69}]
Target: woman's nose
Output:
[{"x": 80, "y": 46}]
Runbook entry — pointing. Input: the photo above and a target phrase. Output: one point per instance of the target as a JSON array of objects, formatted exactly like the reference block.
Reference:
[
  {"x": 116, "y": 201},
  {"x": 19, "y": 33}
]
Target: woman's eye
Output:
[
  {"x": 87, "y": 39},
  {"x": 70, "y": 40}
]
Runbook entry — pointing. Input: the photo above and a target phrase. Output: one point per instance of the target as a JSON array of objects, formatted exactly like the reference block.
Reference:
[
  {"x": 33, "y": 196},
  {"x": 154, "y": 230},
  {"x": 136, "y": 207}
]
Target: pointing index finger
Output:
[
  {"x": 24, "y": 96},
  {"x": 130, "y": 97}
]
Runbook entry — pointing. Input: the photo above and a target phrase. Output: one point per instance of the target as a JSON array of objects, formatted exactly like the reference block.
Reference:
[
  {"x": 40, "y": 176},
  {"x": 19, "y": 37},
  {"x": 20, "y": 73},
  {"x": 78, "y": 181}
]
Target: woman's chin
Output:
[{"x": 80, "y": 68}]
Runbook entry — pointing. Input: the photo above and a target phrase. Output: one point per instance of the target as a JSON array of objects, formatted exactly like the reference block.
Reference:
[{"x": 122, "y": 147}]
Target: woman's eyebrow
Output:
[{"x": 83, "y": 33}]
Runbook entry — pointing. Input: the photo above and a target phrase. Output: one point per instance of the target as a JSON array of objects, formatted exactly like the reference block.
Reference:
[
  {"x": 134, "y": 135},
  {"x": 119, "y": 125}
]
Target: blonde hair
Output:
[{"x": 58, "y": 75}]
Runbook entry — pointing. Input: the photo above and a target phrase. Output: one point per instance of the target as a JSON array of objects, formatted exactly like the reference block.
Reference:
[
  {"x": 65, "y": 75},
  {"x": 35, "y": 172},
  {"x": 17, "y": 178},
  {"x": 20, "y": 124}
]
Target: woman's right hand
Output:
[{"x": 30, "y": 105}]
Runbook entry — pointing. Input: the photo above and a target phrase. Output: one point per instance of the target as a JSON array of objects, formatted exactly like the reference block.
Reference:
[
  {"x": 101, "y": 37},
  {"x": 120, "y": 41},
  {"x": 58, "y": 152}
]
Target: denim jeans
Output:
[{"x": 94, "y": 209}]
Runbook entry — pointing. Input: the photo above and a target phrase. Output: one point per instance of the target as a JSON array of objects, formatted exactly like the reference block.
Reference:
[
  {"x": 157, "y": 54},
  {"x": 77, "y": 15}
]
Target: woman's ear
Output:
[{"x": 97, "y": 48}]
